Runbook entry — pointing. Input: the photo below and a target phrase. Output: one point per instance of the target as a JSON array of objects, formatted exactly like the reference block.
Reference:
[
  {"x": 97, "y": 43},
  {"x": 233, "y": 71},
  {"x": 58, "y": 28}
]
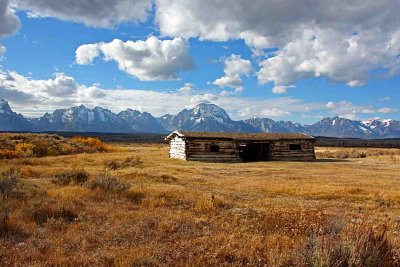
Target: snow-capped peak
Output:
[
  {"x": 374, "y": 123},
  {"x": 387, "y": 123},
  {"x": 209, "y": 111}
]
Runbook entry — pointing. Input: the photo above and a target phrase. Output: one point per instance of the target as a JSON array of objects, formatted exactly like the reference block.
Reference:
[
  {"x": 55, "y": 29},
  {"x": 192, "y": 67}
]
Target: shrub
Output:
[
  {"x": 9, "y": 184},
  {"x": 212, "y": 204},
  {"x": 360, "y": 244},
  {"x": 132, "y": 161},
  {"x": 41, "y": 148},
  {"x": 369, "y": 245},
  {"x": 135, "y": 196},
  {"x": 62, "y": 179},
  {"x": 9, "y": 154},
  {"x": 9, "y": 181},
  {"x": 24, "y": 149},
  {"x": 109, "y": 184},
  {"x": 92, "y": 142},
  {"x": 363, "y": 155},
  {"x": 42, "y": 210},
  {"x": 61, "y": 149},
  {"x": 79, "y": 177},
  {"x": 112, "y": 164},
  {"x": 166, "y": 178}
]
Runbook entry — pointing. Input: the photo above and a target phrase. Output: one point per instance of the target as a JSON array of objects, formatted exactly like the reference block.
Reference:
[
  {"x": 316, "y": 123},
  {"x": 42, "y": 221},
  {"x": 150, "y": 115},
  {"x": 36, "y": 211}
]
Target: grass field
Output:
[{"x": 134, "y": 206}]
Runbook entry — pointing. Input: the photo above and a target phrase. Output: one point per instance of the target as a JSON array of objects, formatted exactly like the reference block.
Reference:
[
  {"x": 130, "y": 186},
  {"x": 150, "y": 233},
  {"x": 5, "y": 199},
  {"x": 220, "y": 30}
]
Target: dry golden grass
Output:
[
  {"x": 344, "y": 153},
  {"x": 140, "y": 208}
]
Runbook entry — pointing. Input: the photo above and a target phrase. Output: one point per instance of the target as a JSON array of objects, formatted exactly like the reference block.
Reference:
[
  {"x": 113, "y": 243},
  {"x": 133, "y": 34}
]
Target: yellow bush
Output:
[
  {"x": 24, "y": 149},
  {"x": 92, "y": 142}
]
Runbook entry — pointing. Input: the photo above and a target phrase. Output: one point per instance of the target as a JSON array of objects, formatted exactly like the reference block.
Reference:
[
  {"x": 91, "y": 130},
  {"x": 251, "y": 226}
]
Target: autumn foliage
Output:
[
  {"x": 92, "y": 142},
  {"x": 40, "y": 145}
]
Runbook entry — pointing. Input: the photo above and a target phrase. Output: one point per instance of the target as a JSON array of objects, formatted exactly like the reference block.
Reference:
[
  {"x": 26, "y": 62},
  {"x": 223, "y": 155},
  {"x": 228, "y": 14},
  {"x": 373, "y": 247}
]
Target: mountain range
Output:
[{"x": 204, "y": 117}]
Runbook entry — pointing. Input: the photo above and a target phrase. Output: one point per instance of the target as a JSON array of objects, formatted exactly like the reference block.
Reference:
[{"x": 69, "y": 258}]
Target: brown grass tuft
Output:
[
  {"x": 131, "y": 161},
  {"x": 9, "y": 185},
  {"x": 79, "y": 177},
  {"x": 41, "y": 210},
  {"x": 108, "y": 183}
]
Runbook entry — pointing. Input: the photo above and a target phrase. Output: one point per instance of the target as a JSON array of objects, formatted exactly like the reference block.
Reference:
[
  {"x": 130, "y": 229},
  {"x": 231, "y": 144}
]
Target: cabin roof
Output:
[{"x": 240, "y": 136}]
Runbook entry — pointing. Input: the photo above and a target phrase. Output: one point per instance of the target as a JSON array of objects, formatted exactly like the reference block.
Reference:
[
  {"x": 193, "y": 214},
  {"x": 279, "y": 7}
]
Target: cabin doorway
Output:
[{"x": 254, "y": 151}]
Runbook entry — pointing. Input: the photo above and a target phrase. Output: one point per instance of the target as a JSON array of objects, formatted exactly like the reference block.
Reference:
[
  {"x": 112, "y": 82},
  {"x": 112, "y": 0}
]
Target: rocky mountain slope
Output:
[
  {"x": 204, "y": 117},
  {"x": 12, "y": 121},
  {"x": 82, "y": 119},
  {"x": 141, "y": 122}
]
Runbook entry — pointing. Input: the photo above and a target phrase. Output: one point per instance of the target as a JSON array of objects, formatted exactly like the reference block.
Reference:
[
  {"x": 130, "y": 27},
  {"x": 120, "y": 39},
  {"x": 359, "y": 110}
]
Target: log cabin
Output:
[{"x": 219, "y": 146}]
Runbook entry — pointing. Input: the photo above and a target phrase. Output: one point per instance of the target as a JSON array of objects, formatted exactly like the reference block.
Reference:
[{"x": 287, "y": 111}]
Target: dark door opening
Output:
[{"x": 254, "y": 152}]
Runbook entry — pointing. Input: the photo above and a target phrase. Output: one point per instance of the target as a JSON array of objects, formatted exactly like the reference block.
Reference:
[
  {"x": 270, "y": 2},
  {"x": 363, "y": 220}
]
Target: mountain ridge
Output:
[{"x": 203, "y": 117}]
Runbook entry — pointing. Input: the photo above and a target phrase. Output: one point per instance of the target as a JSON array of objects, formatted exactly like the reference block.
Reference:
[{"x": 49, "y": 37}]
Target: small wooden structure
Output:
[{"x": 218, "y": 146}]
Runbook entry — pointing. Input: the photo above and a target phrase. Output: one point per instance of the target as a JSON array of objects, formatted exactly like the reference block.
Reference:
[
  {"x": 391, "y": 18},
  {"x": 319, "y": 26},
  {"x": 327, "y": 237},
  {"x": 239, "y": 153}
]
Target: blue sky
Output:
[{"x": 291, "y": 76}]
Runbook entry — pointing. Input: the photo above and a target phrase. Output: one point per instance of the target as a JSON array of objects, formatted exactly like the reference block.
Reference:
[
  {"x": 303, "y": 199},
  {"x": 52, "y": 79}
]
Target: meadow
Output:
[{"x": 130, "y": 205}]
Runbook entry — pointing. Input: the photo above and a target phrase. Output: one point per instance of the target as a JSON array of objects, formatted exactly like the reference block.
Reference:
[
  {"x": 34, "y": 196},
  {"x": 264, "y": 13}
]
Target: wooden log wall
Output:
[
  {"x": 177, "y": 148},
  {"x": 201, "y": 150},
  {"x": 280, "y": 150}
]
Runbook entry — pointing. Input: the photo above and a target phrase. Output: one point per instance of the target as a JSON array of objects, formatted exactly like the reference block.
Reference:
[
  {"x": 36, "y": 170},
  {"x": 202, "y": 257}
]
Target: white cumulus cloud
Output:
[
  {"x": 9, "y": 22},
  {"x": 32, "y": 96},
  {"x": 234, "y": 68},
  {"x": 85, "y": 54},
  {"x": 346, "y": 58},
  {"x": 349, "y": 110},
  {"x": 330, "y": 105},
  {"x": 280, "y": 89},
  {"x": 148, "y": 60},
  {"x": 341, "y": 40},
  {"x": 93, "y": 13},
  {"x": 186, "y": 88},
  {"x": 274, "y": 112}
]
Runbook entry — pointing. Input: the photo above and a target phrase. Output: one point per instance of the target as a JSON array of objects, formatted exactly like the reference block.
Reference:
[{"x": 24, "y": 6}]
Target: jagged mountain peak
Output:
[
  {"x": 265, "y": 125},
  {"x": 387, "y": 128},
  {"x": 340, "y": 127},
  {"x": 378, "y": 121},
  {"x": 81, "y": 119},
  {"x": 334, "y": 119},
  {"x": 4, "y": 106},
  {"x": 141, "y": 121},
  {"x": 130, "y": 110},
  {"x": 212, "y": 111},
  {"x": 208, "y": 106},
  {"x": 204, "y": 117},
  {"x": 12, "y": 121}
]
